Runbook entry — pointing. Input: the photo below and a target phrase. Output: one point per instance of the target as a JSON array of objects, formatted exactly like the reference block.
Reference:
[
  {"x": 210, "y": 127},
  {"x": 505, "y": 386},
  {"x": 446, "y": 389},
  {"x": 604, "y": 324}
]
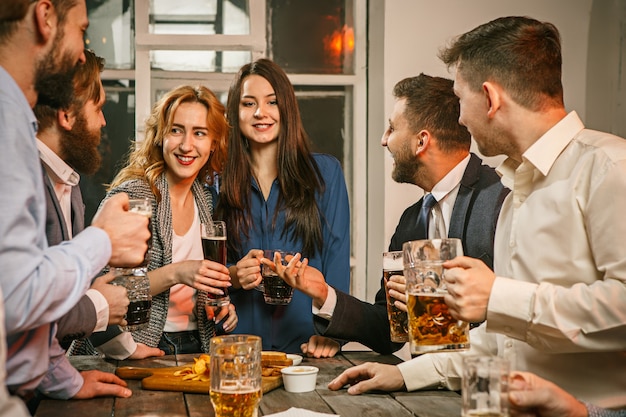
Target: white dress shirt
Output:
[{"x": 558, "y": 305}]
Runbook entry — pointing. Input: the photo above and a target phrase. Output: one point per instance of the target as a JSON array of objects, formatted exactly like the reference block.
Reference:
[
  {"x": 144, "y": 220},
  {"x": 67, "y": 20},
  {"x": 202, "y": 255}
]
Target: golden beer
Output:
[
  {"x": 431, "y": 326},
  {"x": 235, "y": 404}
]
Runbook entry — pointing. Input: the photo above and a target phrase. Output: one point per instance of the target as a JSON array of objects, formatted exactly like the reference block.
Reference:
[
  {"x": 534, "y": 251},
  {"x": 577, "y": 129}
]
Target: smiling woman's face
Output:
[
  {"x": 188, "y": 144},
  {"x": 259, "y": 117}
]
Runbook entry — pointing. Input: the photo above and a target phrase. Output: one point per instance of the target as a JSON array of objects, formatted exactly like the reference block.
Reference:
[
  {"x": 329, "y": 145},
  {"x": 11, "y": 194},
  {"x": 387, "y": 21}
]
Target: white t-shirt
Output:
[{"x": 181, "y": 312}]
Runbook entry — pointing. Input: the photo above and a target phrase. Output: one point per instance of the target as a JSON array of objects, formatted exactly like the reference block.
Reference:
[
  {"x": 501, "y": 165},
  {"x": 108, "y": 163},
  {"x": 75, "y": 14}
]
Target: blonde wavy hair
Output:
[{"x": 146, "y": 160}]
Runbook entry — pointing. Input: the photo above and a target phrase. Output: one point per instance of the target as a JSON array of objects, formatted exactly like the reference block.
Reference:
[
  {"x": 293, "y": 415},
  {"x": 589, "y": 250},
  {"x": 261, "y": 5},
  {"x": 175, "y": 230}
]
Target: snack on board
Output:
[
  {"x": 271, "y": 364},
  {"x": 199, "y": 371}
]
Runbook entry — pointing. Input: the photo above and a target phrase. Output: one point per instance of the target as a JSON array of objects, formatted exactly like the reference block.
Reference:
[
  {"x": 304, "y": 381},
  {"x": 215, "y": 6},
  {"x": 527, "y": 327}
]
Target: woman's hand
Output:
[
  {"x": 227, "y": 316},
  {"x": 201, "y": 275},
  {"x": 248, "y": 270}
]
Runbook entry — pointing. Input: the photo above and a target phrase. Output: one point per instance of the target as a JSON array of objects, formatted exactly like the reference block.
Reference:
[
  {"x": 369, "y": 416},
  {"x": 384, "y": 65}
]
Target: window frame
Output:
[{"x": 356, "y": 146}]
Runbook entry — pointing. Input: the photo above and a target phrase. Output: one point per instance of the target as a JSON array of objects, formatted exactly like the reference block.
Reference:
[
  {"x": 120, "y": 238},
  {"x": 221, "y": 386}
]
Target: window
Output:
[{"x": 320, "y": 44}]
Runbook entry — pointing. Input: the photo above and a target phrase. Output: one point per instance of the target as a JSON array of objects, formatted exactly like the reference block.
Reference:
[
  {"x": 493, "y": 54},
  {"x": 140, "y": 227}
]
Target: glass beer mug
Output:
[
  {"x": 135, "y": 280},
  {"x": 431, "y": 327},
  {"x": 235, "y": 375}
]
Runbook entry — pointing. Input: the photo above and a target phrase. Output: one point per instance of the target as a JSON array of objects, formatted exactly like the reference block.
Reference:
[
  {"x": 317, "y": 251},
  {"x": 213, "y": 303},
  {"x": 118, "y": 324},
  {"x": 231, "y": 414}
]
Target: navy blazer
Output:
[
  {"x": 473, "y": 220},
  {"x": 80, "y": 321}
]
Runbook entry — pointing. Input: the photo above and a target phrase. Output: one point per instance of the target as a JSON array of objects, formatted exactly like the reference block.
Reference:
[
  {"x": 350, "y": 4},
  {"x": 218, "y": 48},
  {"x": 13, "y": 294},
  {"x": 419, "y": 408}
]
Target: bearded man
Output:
[
  {"x": 431, "y": 150},
  {"x": 68, "y": 140},
  {"x": 41, "y": 41}
]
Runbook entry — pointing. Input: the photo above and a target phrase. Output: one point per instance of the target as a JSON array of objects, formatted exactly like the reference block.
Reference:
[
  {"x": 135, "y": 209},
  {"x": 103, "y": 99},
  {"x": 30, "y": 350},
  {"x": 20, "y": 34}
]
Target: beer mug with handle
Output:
[
  {"x": 235, "y": 375},
  {"x": 431, "y": 327}
]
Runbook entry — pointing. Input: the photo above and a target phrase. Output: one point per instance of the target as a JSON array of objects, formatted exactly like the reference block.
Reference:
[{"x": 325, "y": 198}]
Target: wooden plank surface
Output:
[{"x": 165, "y": 403}]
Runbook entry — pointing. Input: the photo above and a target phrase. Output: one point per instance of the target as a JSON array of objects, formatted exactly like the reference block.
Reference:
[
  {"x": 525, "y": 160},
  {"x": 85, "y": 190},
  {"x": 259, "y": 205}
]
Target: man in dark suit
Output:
[
  {"x": 431, "y": 150},
  {"x": 68, "y": 140}
]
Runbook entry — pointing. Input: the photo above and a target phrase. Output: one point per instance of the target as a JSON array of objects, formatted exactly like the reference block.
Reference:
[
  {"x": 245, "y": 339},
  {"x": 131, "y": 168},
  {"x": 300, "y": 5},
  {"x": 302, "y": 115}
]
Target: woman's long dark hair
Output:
[{"x": 298, "y": 174}]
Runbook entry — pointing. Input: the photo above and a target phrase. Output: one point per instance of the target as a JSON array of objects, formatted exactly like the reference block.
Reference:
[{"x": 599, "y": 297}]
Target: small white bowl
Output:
[
  {"x": 296, "y": 359},
  {"x": 299, "y": 378}
]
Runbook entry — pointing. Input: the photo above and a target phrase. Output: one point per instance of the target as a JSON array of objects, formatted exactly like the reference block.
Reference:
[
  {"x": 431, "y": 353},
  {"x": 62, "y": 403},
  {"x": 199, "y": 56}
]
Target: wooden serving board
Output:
[{"x": 163, "y": 379}]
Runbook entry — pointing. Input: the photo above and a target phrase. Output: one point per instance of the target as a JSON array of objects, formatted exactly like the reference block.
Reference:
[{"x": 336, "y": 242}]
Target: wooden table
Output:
[{"x": 161, "y": 403}]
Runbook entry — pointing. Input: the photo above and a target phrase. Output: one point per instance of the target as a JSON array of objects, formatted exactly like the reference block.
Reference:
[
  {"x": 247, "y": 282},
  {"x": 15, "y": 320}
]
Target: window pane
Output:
[
  {"x": 327, "y": 104},
  {"x": 312, "y": 36},
  {"x": 110, "y": 33},
  {"x": 200, "y": 61},
  {"x": 117, "y": 136},
  {"x": 200, "y": 17}
]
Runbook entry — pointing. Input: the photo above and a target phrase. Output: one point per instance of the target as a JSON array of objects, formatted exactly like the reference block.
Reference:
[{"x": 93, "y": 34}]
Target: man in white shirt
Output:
[{"x": 555, "y": 305}]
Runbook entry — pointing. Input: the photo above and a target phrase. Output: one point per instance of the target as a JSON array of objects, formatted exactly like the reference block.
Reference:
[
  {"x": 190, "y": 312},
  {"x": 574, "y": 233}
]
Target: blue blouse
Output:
[{"x": 285, "y": 328}]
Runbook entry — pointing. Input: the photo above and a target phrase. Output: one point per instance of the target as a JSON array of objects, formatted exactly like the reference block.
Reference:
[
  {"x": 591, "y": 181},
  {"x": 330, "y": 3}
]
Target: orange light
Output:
[{"x": 340, "y": 42}]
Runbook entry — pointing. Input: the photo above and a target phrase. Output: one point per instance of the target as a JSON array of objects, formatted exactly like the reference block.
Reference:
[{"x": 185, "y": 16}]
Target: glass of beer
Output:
[
  {"x": 485, "y": 386},
  {"x": 235, "y": 375},
  {"x": 135, "y": 280},
  {"x": 214, "y": 249},
  {"x": 431, "y": 326},
  {"x": 398, "y": 319},
  {"x": 275, "y": 290}
]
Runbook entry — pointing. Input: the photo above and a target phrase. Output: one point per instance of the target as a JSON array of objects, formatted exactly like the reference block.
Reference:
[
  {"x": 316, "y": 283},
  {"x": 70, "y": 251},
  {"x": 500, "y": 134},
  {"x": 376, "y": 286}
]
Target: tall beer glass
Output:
[
  {"x": 235, "y": 375},
  {"x": 214, "y": 249},
  {"x": 398, "y": 320},
  {"x": 431, "y": 327},
  {"x": 136, "y": 279}
]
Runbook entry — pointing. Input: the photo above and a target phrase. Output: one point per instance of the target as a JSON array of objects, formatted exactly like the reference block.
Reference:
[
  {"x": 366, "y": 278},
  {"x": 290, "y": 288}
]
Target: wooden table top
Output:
[{"x": 162, "y": 403}]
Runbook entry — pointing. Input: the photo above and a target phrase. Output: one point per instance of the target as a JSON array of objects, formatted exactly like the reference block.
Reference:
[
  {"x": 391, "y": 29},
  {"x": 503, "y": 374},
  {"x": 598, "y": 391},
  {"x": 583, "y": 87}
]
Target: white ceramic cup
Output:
[{"x": 299, "y": 378}]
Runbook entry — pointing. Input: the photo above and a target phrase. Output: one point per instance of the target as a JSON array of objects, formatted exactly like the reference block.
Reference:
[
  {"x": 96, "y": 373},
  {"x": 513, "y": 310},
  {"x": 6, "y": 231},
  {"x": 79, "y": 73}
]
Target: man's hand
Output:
[
  {"x": 116, "y": 297},
  {"x": 102, "y": 384},
  {"x": 320, "y": 347},
  {"x": 530, "y": 395},
  {"x": 469, "y": 283},
  {"x": 144, "y": 351},
  {"x": 127, "y": 231},
  {"x": 368, "y": 377},
  {"x": 397, "y": 290},
  {"x": 300, "y": 276}
]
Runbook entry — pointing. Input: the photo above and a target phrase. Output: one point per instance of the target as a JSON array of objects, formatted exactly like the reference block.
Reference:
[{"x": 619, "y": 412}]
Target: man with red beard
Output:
[
  {"x": 68, "y": 141},
  {"x": 40, "y": 41}
]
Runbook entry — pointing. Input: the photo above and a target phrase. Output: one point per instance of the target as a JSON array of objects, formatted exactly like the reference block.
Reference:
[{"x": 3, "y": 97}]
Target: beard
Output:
[
  {"x": 54, "y": 75},
  {"x": 79, "y": 147},
  {"x": 405, "y": 167}
]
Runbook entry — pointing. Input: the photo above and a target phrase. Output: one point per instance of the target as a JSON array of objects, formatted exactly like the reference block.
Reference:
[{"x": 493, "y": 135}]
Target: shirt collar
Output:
[
  {"x": 451, "y": 180},
  {"x": 544, "y": 152},
  {"x": 59, "y": 171}
]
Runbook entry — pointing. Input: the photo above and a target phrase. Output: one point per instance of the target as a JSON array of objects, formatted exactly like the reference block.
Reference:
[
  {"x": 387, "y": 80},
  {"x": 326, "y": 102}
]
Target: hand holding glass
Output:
[
  {"x": 398, "y": 319},
  {"x": 275, "y": 289},
  {"x": 214, "y": 249},
  {"x": 431, "y": 326},
  {"x": 135, "y": 280}
]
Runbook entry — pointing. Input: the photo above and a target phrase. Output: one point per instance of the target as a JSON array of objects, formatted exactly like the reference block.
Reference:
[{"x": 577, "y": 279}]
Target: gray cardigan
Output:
[{"x": 161, "y": 254}]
